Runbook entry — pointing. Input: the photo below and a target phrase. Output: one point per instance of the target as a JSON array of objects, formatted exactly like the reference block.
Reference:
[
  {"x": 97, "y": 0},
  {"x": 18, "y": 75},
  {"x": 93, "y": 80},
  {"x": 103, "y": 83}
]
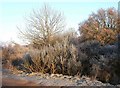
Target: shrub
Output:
[
  {"x": 12, "y": 55},
  {"x": 61, "y": 58},
  {"x": 100, "y": 62}
]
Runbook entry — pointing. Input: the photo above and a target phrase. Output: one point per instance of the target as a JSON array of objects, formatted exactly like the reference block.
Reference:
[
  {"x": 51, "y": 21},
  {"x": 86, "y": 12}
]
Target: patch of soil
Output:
[{"x": 15, "y": 82}]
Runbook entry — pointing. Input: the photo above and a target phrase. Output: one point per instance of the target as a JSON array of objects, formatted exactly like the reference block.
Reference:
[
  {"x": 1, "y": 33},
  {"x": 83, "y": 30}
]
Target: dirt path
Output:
[
  {"x": 22, "y": 79},
  {"x": 9, "y": 79},
  {"x": 14, "y": 82}
]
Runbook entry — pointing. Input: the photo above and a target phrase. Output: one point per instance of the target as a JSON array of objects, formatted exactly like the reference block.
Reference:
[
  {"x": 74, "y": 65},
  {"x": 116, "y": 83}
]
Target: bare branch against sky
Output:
[{"x": 13, "y": 12}]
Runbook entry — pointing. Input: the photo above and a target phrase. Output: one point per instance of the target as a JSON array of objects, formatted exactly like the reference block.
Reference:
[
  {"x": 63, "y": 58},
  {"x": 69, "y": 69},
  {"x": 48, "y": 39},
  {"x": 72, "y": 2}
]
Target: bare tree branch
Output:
[{"x": 43, "y": 25}]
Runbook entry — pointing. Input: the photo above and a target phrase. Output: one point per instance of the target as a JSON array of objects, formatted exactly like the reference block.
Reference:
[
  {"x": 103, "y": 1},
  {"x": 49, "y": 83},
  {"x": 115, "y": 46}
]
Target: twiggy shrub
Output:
[
  {"x": 12, "y": 55},
  {"x": 61, "y": 58}
]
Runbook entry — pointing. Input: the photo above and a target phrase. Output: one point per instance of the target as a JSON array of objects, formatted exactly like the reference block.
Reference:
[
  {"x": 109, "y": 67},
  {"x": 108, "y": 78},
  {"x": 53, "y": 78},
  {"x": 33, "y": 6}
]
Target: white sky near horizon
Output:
[{"x": 13, "y": 13}]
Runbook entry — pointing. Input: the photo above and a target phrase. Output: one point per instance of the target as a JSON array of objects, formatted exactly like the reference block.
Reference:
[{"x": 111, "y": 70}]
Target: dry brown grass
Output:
[{"x": 11, "y": 53}]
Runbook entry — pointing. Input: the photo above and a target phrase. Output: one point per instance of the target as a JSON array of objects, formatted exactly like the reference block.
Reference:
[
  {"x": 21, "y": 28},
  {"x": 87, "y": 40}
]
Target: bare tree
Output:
[{"x": 43, "y": 25}]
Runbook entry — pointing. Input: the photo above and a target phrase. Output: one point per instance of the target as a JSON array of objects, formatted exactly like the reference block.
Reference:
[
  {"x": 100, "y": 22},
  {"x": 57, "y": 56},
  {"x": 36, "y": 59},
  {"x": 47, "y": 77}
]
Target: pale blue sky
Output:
[{"x": 13, "y": 14}]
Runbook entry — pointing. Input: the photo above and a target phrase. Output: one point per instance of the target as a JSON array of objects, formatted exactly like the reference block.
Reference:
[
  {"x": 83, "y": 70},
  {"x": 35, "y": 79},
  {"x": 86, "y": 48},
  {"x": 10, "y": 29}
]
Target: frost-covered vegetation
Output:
[{"x": 95, "y": 53}]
